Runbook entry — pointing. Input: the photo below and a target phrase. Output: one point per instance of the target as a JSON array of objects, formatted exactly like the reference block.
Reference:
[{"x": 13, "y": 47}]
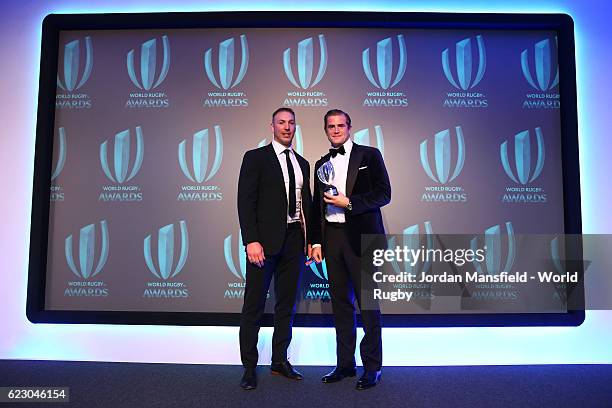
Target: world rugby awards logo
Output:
[
  {"x": 57, "y": 191},
  {"x": 75, "y": 75},
  {"x": 415, "y": 238},
  {"x": 556, "y": 251},
  {"x": 305, "y": 61},
  {"x": 225, "y": 74},
  {"x": 493, "y": 246},
  {"x": 200, "y": 173},
  {"x": 318, "y": 290},
  {"x": 411, "y": 237},
  {"x": 305, "y": 68},
  {"x": 147, "y": 82},
  {"x": 523, "y": 163},
  {"x": 235, "y": 289},
  {"x": 443, "y": 161},
  {"x": 362, "y": 137},
  {"x": 165, "y": 269},
  {"x": 86, "y": 286},
  {"x": 465, "y": 79},
  {"x": 544, "y": 68},
  {"x": 494, "y": 263},
  {"x": 121, "y": 161},
  {"x": 384, "y": 69}
]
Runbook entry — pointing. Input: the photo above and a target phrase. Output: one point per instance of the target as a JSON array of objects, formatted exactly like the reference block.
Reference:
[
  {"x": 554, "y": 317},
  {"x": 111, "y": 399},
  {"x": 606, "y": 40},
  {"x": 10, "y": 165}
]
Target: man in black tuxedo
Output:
[
  {"x": 274, "y": 204},
  {"x": 337, "y": 224}
]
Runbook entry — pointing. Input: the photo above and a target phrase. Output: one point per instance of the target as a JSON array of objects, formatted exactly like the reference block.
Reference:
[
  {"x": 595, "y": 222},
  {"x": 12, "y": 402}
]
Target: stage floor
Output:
[{"x": 95, "y": 384}]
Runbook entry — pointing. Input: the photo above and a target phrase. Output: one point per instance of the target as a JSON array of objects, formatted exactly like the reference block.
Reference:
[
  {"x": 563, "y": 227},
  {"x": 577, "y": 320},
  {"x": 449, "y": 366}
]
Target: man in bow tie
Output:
[
  {"x": 338, "y": 221},
  {"x": 273, "y": 207}
]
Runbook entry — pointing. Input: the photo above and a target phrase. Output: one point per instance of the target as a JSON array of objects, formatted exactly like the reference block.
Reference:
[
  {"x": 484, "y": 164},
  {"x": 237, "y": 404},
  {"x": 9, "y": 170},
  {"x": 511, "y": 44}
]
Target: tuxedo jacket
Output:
[
  {"x": 262, "y": 200},
  {"x": 367, "y": 187}
]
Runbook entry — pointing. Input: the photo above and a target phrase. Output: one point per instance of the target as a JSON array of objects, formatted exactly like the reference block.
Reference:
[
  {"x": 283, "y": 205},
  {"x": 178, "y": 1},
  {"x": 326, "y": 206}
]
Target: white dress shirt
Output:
[
  {"x": 340, "y": 163},
  {"x": 299, "y": 179}
]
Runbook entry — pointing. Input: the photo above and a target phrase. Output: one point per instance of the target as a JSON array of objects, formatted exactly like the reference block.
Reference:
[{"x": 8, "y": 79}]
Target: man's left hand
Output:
[{"x": 339, "y": 200}]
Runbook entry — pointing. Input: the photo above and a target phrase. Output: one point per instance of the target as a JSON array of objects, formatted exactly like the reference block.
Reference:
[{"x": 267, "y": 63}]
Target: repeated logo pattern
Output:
[
  {"x": 384, "y": 63},
  {"x": 200, "y": 149},
  {"x": 362, "y": 137},
  {"x": 305, "y": 62},
  {"x": 543, "y": 75},
  {"x": 72, "y": 63},
  {"x": 464, "y": 61},
  {"x": 442, "y": 156},
  {"x": 493, "y": 257},
  {"x": 87, "y": 247},
  {"x": 522, "y": 157},
  {"x": 544, "y": 67},
  {"x": 61, "y": 156},
  {"x": 226, "y": 63},
  {"x": 122, "y": 156},
  {"x": 148, "y": 62},
  {"x": 411, "y": 237},
  {"x": 165, "y": 251}
]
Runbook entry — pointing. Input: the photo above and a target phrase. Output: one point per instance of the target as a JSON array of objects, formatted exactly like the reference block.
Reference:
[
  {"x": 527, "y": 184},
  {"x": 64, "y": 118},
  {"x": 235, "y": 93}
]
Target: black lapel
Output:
[
  {"x": 322, "y": 160},
  {"x": 322, "y": 203},
  {"x": 353, "y": 168}
]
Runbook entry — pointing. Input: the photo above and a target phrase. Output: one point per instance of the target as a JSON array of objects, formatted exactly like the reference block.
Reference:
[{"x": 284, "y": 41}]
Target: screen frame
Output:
[{"x": 53, "y": 24}]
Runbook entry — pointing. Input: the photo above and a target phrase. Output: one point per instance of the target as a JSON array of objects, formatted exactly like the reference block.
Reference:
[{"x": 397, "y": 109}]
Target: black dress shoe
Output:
[
  {"x": 249, "y": 379},
  {"x": 368, "y": 380},
  {"x": 338, "y": 374},
  {"x": 286, "y": 370}
]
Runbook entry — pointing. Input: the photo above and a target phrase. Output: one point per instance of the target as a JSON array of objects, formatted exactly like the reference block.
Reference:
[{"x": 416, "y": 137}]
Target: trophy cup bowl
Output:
[{"x": 326, "y": 175}]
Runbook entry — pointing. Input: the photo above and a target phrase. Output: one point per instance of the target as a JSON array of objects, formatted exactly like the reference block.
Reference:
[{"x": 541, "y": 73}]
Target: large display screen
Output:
[{"x": 145, "y": 128}]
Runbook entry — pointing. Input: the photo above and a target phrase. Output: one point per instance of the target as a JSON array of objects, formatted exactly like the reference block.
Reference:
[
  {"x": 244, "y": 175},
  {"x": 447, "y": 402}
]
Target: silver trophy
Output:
[{"x": 327, "y": 174}]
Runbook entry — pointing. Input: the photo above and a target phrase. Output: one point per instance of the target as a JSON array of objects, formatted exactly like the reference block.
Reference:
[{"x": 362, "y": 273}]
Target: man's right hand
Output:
[
  {"x": 317, "y": 254},
  {"x": 255, "y": 254}
]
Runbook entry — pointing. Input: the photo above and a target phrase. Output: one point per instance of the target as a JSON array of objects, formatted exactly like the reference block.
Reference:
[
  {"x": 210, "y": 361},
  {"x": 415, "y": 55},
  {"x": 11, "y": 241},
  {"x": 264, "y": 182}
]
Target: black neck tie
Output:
[
  {"x": 291, "y": 209},
  {"x": 335, "y": 152}
]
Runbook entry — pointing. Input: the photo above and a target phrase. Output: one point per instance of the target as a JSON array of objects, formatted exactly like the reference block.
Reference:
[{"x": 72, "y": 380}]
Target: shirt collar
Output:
[
  {"x": 279, "y": 148},
  {"x": 348, "y": 146}
]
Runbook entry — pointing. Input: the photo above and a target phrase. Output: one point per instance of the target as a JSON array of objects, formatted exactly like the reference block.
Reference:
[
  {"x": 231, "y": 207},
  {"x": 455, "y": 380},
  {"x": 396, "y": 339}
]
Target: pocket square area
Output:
[{"x": 364, "y": 167}]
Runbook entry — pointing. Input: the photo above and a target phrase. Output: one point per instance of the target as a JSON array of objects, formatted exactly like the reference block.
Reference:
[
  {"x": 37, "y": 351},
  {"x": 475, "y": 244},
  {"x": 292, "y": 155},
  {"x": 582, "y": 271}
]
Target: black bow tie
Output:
[{"x": 334, "y": 152}]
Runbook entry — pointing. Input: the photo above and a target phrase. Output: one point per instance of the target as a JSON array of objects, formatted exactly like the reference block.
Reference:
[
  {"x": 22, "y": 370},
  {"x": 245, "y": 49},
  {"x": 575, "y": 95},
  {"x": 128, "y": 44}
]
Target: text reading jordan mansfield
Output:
[{"x": 459, "y": 257}]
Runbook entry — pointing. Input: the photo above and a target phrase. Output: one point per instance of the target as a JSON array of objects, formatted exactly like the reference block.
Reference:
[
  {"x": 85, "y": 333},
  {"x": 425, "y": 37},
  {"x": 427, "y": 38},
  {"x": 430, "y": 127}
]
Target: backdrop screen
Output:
[{"x": 150, "y": 127}]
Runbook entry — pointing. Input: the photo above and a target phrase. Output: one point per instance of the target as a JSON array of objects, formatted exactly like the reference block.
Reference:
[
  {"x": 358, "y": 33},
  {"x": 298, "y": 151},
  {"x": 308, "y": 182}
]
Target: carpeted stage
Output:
[{"x": 94, "y": 384}]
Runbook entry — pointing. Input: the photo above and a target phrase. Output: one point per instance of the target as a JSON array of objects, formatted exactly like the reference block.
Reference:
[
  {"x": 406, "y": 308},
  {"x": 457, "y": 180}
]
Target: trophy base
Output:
[{"x": 332, "y": 190}]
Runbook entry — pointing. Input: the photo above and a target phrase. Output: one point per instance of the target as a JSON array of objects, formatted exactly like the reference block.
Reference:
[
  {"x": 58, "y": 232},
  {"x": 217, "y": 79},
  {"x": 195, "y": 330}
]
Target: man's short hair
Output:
[
  {"x": 336, "y": 112},
  {"x": 283, "y": 109}
]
